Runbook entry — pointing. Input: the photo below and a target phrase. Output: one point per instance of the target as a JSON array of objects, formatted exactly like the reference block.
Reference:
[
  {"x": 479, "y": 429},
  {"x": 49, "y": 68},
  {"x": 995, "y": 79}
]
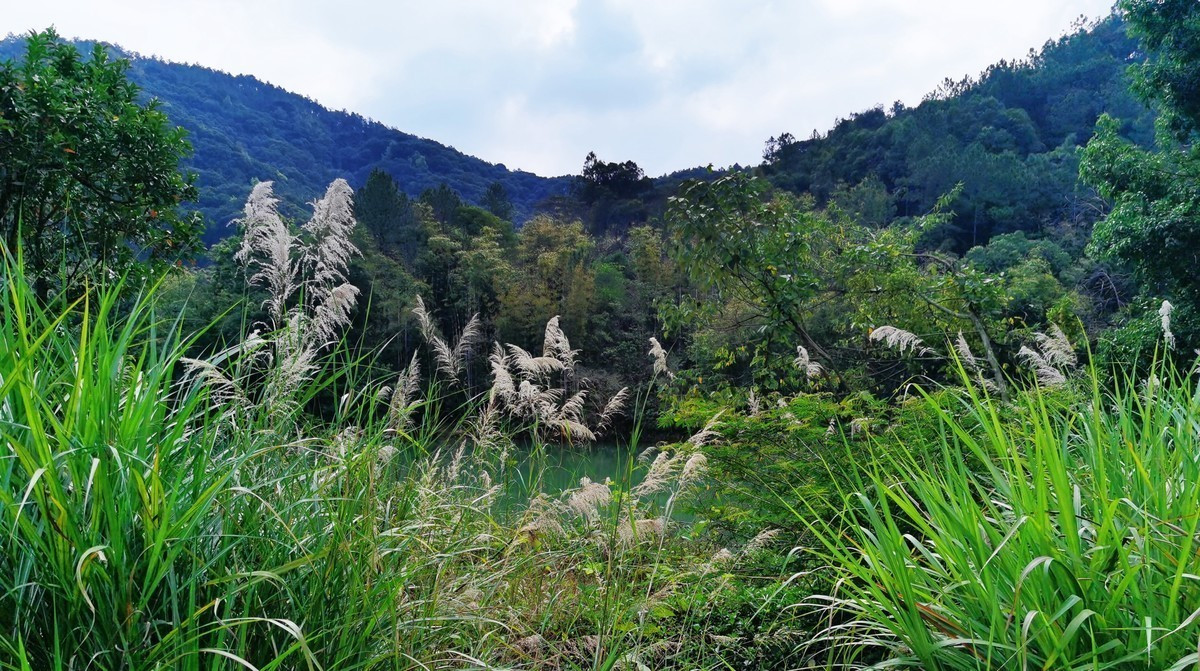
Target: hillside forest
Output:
[{"x": 281, "y": 387}]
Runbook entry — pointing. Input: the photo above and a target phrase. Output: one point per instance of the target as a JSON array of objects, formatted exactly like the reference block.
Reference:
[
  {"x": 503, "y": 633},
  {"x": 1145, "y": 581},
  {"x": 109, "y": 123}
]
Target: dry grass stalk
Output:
[
  {"x": 587, "y": 500},
  {"x": 450, "y": 360},
  {"x": 965, "y": 355}
]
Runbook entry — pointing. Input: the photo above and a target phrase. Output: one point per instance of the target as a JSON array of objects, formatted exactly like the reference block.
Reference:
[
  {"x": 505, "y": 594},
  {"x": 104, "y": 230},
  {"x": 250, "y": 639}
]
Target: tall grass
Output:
[
  {"x": 1052, "y": 534},
  {"x": 158, "y": 513}
]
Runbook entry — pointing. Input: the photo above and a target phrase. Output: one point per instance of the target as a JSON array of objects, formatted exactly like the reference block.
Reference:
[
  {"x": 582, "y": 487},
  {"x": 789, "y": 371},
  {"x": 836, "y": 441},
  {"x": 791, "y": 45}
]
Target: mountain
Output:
[
  {"x": 244, "y": 130},
  {"x": 1010, "y": 137}
]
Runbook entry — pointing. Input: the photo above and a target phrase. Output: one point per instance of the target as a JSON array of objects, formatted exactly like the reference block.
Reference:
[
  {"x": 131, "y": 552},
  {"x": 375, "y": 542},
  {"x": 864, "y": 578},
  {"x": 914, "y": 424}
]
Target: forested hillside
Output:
[
  {"x": 244, "y": 130},
  {"x": 1009, "y": 135}
]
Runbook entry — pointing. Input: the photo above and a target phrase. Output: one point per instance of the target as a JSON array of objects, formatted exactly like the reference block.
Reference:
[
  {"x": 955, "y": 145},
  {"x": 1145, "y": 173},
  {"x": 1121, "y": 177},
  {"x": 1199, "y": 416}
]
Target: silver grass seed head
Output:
[
  {"x": 761, "y": 540},
  {"x": 659, "y": 475},
  {"x": 1057, "y": 350},
  {"x": 659, "y": 355},
  {"x": 635, "y": 531},
  {"x": 1164, "y": 317},
  {"x": 614, "y": 407},
  {"x": 804, "y": 363},
  {"x": 1045, "y": 372},
  {"x": 900, "y": 340},
  {"x": 693, "y": 469},
  {"x": 587, "y": 500},
  {"x": 965, "y": 355}
]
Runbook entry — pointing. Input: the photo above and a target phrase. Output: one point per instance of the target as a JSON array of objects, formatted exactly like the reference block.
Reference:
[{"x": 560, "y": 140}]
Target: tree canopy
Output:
[
  {"x": 1154, "y": 224},
  {"x": 90, "y": 176}
]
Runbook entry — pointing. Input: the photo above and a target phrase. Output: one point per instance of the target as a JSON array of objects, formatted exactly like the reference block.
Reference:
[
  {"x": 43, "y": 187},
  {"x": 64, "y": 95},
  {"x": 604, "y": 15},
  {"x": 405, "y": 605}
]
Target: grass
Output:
[
  {"x": 1053, "y": 534},
  {"x": 163, "y": 514},
  {"x": 153, "y": 518}
]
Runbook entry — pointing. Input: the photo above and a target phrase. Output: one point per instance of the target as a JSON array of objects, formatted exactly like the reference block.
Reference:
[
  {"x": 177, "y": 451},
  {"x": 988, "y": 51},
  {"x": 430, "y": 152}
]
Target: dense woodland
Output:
[{"x": 917, "y": 391}]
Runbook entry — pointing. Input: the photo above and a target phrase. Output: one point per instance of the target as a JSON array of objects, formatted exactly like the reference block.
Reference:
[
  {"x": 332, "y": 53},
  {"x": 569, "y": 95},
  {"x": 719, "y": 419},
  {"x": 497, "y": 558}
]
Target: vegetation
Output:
[
  {"x": 882, "y": 401},
  {"x": 89, "y": 176},
  {"x": 1059, "y": 538}
]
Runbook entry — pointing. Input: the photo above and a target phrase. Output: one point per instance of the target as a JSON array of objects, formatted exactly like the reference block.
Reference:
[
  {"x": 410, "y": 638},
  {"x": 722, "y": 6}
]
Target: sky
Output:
[{"x": 537, "y": 84}]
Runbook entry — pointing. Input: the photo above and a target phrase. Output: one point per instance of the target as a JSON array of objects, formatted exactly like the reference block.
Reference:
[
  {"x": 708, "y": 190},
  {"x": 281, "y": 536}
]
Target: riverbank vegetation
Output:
[{"x": 841, "y": 432}]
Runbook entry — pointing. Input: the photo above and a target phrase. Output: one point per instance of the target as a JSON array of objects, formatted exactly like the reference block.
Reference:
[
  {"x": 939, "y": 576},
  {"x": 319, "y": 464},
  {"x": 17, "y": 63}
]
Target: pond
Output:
[{"x": 553, "y": 469}]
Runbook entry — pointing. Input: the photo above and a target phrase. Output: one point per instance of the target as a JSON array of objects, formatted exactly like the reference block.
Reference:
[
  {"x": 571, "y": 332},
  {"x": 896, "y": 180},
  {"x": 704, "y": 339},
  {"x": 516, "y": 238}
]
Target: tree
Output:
[
  {"x": 600, "y": 179},
  {"x": 816, "y": 279},
  {"x": 1154, "y": 225},
  {"x": 553, "y": 277},
  {"x": 444, "y": 201},
  {"x": 1170, "y": 33},
  {"x": 730, "y": 237},
  {"x": 496, "y": 201},
  {"x": 384, "y": 210},
  {"x": 89, "y": 176}
]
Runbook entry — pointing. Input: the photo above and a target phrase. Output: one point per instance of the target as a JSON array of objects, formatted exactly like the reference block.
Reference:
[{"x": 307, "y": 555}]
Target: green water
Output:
[{"x": 554, "y": 468}]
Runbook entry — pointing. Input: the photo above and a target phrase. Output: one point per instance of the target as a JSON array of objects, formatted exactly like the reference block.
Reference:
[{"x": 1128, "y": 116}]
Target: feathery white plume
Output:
[
  {"x": 533, "y": 365},
  {"x": 267, "y": 245},
  {"x": 404, "y": 395},
  {"x": 589, "y": 498},
  {"x": 805, "y": 364},
  {"x": 965, "y": 355},
  {"x": 708, "y": 434},
  {"x": 614, "y": 407},
  {"x": 693, "y": 469},
  {"x": 1164, "y": 316},
  {"x": 503, "y": 387},
  {"x": 330, "y": 251},
  {"x": 556, "y": 345},
  {"x": 450, "y": 360},
  {"x": 760, "y": 541},
  {"x": 660, "y": 359},
  {"x": 1056, "y": 348},
  {"x": 900, "y": 340},
  {"x": 660, "y": 474},
  {"x": 860, "y": 425},
  {"x": 1047, "y": 374}
]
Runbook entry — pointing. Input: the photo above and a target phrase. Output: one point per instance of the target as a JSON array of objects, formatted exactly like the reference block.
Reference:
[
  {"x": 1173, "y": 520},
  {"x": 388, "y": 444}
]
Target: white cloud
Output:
[{"x": 537, "y": 84}]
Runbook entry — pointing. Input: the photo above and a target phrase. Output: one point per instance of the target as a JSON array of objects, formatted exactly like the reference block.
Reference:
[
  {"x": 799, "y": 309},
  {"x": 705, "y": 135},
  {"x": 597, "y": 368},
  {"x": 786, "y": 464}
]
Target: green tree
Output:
[
  {"x": 384, "y": 210},
  {"x": 496, "y": 201},
  {"x": 444, "y": 201},
  {"x": 732, "y": 238},
  {"x": 553, "y": 277},
  {"x": 1170, "y": 33},
  {"x": 89, "y": 176},
  {"x": 1154, "y": 225},
  {"x": 819, "y": 280}
]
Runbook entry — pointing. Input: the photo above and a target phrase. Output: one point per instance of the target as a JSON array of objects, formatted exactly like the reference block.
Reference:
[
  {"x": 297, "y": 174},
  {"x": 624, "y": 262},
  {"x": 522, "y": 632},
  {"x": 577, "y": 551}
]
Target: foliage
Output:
[
  {"x": 1169, "y": 33},
  {"x": 1062, "y": 539},
  {"x": 1153, "y": 223},
  {"x": 245, "y": 130},
  {"x": 1155, "y": 215},
  {"x": 1010, "y": 136},
  {"x": 90, "y": 184},
  {"x": 158, "y": 518}
]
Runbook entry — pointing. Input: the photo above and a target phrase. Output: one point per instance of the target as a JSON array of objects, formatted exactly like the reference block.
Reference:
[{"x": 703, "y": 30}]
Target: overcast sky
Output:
[{"x": 536, "y": 84}]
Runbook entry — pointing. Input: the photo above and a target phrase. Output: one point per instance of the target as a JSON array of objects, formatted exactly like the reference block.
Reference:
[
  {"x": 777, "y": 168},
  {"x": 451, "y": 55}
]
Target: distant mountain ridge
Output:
[{"x": 244, "y": 130}]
